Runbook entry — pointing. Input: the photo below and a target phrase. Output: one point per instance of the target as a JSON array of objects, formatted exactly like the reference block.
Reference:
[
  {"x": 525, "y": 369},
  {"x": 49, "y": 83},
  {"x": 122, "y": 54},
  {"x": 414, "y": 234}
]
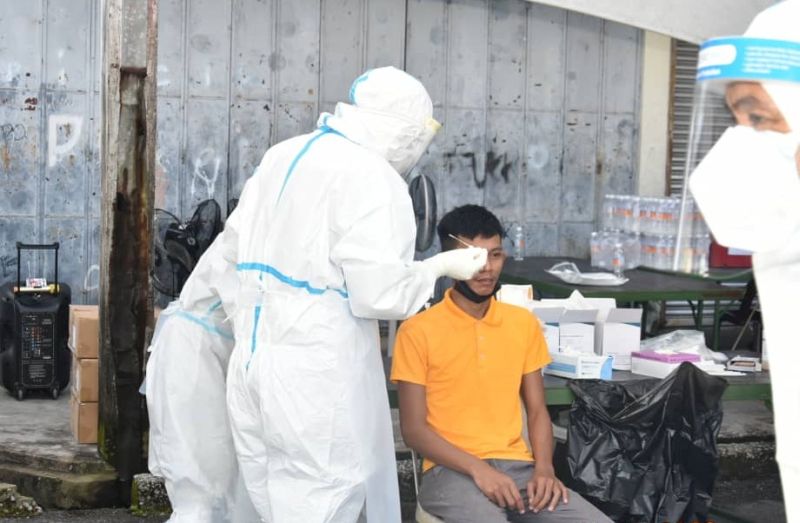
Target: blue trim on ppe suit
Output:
[
  {"x": 288, "y": 280},
  {"x": 204, "y": 324},
  {"x": 357, "y": 81},
  {"x": 323, "y": 131}
]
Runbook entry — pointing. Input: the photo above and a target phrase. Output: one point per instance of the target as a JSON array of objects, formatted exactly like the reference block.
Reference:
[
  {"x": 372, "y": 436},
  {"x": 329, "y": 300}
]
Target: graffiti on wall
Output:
[
  {"x": 8, "y": 266},
  {"x": 491, "y": 166},
  {"x": 63, "y": 133},
  {"x": 13, "y": 132},
  {"x": 206, "y": 171}
]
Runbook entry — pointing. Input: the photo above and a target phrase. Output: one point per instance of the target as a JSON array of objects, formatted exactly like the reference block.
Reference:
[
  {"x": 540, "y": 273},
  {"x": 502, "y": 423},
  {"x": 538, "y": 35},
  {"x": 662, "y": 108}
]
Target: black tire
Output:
[
  {"x": 54, "y": 392},
  {"x": 20, "y": 394}
]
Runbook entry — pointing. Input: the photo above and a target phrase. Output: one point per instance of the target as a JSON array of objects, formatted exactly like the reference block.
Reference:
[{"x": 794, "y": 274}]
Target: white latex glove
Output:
[{"x": 459, "y": 264}]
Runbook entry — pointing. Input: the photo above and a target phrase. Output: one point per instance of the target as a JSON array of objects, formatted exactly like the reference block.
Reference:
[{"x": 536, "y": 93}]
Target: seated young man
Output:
[{"x": 461, "y": 368}]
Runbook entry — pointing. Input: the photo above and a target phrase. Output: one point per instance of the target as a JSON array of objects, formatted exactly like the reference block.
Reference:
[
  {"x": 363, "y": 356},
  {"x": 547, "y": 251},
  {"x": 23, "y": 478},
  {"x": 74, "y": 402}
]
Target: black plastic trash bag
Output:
[{"x": 646, "y": 450}]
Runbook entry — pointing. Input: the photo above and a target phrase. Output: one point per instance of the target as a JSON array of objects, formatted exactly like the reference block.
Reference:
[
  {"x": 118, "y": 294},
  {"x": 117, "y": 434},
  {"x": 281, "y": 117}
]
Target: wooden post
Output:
[{"x": 127, "y": 166}]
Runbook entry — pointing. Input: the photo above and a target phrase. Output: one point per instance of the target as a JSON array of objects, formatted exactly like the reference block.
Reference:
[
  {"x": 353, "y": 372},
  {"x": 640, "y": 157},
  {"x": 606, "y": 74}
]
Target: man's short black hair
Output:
[{"x": 468, "y": 221}]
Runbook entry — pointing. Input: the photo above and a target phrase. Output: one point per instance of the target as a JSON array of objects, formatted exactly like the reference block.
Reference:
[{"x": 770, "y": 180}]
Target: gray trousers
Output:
[{"x": 454, "y": 497}]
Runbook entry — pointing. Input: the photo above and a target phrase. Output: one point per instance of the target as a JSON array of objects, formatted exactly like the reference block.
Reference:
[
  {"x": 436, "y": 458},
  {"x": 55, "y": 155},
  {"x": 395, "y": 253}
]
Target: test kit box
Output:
[
  {"x": 550, "y": 318},
  {"x": 580, "y": 366},
  {"x": 659, "y": 365},
  {"x": 618, "y": 334},
  {"x": 576, "y": 330},
  {"x": 84, "y": 330},
  {"x": 84, "y": 420},
  {"x": 84, "y": 379}
]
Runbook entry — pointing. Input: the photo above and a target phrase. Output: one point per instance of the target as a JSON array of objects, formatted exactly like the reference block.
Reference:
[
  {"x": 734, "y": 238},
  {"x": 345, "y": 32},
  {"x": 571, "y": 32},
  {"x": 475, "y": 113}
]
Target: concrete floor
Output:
[{"x": 39, "y": 427}]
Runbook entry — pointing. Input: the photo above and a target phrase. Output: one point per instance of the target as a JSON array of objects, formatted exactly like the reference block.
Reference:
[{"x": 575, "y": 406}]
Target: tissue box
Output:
[
  {"x": 658, "y": 364},
  {"x": 550, "y": 317},
  {"x": 576, "y": 330},
  {"x": 580, "y": 366},
  {"x": 618, "y": 334}
]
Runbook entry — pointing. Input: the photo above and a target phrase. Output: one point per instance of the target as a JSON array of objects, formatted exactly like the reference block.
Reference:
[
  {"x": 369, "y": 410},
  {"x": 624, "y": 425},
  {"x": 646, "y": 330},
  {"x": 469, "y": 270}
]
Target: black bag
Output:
[{"x": 646, "y": 450}]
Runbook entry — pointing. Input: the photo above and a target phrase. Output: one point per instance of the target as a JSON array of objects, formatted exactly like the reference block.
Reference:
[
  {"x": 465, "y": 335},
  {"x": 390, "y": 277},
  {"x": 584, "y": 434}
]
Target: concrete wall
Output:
[{"x": 541, "y": 107}]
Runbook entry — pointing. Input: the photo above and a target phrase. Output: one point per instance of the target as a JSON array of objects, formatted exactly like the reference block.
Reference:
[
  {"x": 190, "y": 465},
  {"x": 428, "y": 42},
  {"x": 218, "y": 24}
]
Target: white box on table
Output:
[
  {"x": 576, "y": 330},
  {"x": 619, "y": 333},
  {"x": 550, "y": 318}
]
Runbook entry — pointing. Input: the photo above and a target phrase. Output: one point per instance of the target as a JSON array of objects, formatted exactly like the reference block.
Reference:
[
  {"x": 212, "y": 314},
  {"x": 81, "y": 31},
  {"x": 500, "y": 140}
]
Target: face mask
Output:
[
  {"x": 462, "y": 287},
  {"x": 748, "y": 188}
]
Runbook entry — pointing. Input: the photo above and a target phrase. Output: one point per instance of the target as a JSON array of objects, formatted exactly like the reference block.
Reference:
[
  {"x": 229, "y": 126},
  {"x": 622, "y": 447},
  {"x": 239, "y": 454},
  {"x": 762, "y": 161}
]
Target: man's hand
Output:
[
  {"x": 498, "y": 487},
  {"x": 545, "y": 490}
]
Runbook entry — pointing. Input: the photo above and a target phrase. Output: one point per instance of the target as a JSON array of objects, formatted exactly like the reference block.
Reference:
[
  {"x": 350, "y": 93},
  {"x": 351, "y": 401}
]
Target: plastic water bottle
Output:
[
  {"x": 519, "y": 243},
  {"x": 618, "y": 261}
]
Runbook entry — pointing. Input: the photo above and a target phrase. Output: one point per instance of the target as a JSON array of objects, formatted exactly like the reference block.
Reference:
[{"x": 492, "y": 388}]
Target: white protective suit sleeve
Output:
[{"x": 375, "y": 253}]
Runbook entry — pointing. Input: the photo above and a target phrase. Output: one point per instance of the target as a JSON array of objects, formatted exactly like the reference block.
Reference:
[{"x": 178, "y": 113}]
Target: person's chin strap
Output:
[{"x": 462, "y": 287}]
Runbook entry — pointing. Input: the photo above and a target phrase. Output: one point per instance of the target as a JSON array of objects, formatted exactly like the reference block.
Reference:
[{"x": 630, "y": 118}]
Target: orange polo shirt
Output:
[{"x": 472, "y": 372}]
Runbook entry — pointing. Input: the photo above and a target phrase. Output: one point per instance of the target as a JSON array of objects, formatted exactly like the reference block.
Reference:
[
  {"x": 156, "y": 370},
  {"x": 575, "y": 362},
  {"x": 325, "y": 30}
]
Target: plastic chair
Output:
[{"x": 420, "y": 515}]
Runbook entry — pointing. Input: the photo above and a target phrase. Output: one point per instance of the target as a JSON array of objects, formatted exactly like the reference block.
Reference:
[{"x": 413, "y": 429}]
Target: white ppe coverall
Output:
[
  {"x": 777, "y": 275},
  {"x": 323, "y": 240},
  {"x": 773, "y": 232},
  {"x": 190, "y": 442}
]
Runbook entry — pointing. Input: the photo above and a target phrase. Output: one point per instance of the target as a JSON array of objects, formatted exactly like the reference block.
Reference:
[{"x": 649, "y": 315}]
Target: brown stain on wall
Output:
[{"x": 6, "y": 158}]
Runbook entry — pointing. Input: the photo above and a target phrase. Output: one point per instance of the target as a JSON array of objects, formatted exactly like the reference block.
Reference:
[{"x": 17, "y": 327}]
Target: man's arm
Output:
[
  {"x": 544, "y": 489},
  {"x": 417, "y": 434}
]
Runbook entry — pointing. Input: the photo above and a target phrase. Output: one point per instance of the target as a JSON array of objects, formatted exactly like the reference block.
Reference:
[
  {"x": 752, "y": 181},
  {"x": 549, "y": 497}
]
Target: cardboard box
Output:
[
  {"x": 576, "y": 330},
  {"x": 84, "y": 379},
  {"x": 619, "y": 332},
  {"x": 550, "y": 317},
  {"x": 580, "y": 366},
  {"x": 80, "y": 308},
  {"x": 84, "y": 331},
  {"x": 84, "y": 420}
]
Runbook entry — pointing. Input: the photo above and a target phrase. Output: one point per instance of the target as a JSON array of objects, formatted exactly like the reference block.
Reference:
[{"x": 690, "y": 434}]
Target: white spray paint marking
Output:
[
  {"x": 12, "y": 71},
  {"x": 72, "y": 124},
  {"x": 160, "y": 80},
  {"x": 94, "y": 286},
  {"x": 203, "y": 160},
  {"x": 538, "y": 156}
]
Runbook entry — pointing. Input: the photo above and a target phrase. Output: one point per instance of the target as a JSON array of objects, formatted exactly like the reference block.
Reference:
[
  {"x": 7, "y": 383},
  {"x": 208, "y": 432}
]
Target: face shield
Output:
[{"x": 742, "y": 181}]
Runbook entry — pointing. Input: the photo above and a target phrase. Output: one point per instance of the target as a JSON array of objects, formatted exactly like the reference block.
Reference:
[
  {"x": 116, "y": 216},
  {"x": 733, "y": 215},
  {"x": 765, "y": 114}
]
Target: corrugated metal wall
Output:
[
  {"x": 49, "y": 115},
  {"x": 540, "y": 107}
]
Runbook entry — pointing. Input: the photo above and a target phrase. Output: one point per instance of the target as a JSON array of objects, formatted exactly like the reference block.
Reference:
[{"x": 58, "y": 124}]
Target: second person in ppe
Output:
[
  {"x": 748, "y": 189},
  {"x": 190, "y": 443},
  {"x": 323, "y": 241}
]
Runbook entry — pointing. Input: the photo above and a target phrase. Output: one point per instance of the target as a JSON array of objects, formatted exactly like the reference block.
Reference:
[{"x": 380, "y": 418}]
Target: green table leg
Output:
[
  {"x": 717, "y": 329},
  {"x": 698, "y": 321}
]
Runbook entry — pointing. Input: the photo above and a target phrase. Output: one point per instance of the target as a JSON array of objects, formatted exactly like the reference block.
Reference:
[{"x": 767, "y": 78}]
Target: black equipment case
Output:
[{"x": 33, "y": 333}]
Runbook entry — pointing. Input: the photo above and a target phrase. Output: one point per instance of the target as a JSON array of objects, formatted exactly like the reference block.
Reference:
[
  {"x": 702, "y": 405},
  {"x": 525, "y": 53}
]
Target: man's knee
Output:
[
  {"x": 452, "y": 496},
  {"x": 578, "y": 510}
]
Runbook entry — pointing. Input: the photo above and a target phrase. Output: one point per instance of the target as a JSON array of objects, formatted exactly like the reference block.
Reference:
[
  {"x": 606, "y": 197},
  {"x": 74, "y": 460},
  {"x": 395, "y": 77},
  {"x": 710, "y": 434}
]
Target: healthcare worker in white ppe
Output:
[
  {"x": 190, "y": 442},
  {"x": 323, "y": 241},
  {"x": 748, "y": 190}
]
